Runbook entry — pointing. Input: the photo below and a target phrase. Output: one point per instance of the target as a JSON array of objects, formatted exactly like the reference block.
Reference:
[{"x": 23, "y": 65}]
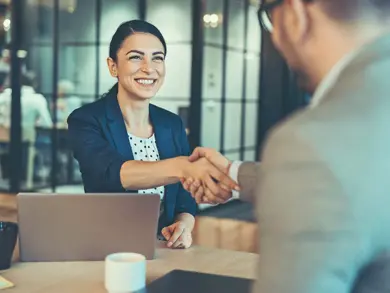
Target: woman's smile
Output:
[{"x": 146, "y": 83}]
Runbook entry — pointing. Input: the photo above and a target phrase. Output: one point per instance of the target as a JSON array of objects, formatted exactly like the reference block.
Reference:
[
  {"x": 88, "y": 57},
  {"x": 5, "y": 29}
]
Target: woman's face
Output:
[{"x": 140, "y": 66}]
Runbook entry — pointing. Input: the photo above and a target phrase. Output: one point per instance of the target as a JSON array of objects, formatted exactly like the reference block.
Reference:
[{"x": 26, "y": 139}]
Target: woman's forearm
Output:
[{"x": 143, "y": 175}]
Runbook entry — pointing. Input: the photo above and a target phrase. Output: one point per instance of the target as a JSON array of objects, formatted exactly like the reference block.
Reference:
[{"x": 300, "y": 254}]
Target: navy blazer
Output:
[{"x": 99, "y": 140}]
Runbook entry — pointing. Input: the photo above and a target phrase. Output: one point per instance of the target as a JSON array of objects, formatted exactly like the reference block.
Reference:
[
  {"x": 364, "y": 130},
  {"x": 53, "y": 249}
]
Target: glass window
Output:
[
  {"x": 114, "y": 12},
  {"x": 252, "y": 76},
  {"x": 77, "y": 22},
  {"x": 40, "y": 62},
  {"x": 39, "y": 21},
  {"x": 254, "y": 30},
  {"x": 172, "y": 106},
  {"x": 211, "y": 124},
  {"x": 212, "y": 21},
  {"x": 212, "y": 73},
  {"x": 234, "y": 75},
  {"x": 233, "y": 156},
  {"x": 177, "y": 83},
  {"x": 250, "y": 155},
  {"x": 251, "y": 110},
  {"x": 173, "y": 18},
  {"x": 78, "y": 65},
  {"x": 232, "y": 127},
  {"x": 36, "y": 95},
  {"x": 236, "y": 21}
]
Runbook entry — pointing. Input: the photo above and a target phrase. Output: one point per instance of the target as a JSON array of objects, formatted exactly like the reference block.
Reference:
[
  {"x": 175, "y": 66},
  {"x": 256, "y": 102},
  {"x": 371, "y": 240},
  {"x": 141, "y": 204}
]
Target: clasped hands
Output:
[{"x": 208, "y": 178}]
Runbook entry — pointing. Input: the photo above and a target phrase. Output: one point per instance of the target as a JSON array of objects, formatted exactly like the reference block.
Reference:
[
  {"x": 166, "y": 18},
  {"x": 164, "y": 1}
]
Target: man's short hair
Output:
[
  {"x": 354, "y": 9},
  {"x": 28, "y": 79}
]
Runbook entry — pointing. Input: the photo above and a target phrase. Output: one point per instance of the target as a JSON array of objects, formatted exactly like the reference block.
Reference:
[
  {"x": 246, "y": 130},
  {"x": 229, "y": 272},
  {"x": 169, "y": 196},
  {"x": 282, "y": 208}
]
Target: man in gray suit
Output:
[{"x": 322, "y": 190}]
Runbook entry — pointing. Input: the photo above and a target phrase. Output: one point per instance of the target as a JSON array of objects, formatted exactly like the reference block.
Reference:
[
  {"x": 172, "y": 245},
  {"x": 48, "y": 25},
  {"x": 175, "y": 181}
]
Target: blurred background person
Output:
[
  {"x": 35, "y": 110},
  {"x": 67, "y": 101}
]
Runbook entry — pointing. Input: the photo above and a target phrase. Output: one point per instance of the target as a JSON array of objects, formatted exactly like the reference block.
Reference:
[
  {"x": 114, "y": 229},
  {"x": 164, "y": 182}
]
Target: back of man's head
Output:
[
  {"x": 313, "y": 35},
  {"x": 349, "y": 10}
]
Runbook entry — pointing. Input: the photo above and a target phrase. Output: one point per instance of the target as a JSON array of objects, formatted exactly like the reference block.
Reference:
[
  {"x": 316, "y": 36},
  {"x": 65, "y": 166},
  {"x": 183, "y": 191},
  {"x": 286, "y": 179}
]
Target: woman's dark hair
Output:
[{"x": 125, "y": 30}]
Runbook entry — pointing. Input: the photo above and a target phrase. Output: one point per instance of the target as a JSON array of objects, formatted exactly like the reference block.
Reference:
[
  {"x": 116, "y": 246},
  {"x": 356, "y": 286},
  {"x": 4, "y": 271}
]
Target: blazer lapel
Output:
[{"x": 117, "y": 128}]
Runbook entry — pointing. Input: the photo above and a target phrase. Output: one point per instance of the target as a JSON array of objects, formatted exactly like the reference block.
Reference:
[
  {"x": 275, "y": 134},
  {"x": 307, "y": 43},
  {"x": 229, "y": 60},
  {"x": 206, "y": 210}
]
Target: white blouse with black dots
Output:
[{"x": 145, "y": 149}]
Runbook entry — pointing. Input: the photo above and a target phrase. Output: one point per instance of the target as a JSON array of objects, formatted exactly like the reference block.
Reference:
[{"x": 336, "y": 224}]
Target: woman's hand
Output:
[
  {"x": 212, "y": 179},
  {"x": 202, "y": 195},
  {"x": 178, "y": 235},
  {"x": 200, "y": 192}
]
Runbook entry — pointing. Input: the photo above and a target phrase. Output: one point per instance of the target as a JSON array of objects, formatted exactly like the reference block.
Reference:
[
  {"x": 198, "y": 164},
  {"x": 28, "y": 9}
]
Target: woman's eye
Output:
[
  {"x": 135, "y": 58},
  {"x": 159, "y": 58}
]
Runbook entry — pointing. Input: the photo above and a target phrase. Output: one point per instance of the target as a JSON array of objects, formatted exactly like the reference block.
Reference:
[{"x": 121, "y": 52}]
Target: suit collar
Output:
[{"x": 379, "y": 48}]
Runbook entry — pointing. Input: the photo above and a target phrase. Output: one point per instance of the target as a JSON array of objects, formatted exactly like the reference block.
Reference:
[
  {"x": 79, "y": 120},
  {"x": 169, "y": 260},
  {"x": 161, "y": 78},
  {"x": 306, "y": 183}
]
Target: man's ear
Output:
[
  {"x": 112, "y": 67},
  {"x": 301, "y": 19}
]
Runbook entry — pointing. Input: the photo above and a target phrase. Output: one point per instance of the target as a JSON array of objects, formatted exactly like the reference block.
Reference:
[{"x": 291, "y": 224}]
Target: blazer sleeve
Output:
[
  {"x": 247, "y": 179},
  {"x": 185, "y": 203},
  {"x": 99, "y": 164}
]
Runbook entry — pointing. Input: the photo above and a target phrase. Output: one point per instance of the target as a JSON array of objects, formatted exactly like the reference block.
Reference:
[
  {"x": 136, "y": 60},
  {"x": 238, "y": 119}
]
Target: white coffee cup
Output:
[{"x": 125, "y": 272}]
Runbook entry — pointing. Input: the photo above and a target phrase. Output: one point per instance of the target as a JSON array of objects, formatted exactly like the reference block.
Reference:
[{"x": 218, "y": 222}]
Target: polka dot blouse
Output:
[{"x": 145, "y": 149}]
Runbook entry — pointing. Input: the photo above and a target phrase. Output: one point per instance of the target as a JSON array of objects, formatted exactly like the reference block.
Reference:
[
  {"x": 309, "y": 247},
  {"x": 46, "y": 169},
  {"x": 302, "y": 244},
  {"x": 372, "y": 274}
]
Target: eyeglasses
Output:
[{"x": 264, "y": 13}]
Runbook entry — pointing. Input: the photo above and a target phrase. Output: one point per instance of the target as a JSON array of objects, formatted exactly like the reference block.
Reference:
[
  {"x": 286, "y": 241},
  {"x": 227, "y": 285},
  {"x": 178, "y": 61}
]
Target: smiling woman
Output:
[
  {"x": 125, "y": 144},
  {"x": 137, "y": 55}
]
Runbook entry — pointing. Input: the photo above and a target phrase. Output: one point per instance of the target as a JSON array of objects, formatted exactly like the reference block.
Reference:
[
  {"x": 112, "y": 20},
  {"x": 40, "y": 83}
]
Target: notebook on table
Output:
[{"x": 179, "y": 281}]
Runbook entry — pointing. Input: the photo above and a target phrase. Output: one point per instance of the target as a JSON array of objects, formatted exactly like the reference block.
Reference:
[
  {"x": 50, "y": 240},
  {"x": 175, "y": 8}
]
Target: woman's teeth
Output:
[{"x": 145, "y": 81}]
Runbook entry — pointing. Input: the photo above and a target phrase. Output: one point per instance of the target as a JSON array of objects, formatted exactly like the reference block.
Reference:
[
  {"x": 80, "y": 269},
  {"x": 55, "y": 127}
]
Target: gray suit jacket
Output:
[{"x": 323, "y": 193}]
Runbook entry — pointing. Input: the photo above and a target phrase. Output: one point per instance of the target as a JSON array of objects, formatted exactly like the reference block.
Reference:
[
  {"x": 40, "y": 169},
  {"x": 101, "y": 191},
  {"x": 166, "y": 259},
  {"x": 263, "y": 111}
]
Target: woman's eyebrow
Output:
[
  {"x": 158, "y": 53},
  {"x": 136, "y": 51}
]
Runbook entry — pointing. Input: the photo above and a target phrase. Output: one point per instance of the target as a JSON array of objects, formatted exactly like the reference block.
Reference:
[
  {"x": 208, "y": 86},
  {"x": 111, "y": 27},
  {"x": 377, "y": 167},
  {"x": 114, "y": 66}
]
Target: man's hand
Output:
[
  {"x": 215, "y": 182},
  {"x": 177, "y": 235},
  {"x": 214, "y": 157},
  {"x": 199, "y": 191}
]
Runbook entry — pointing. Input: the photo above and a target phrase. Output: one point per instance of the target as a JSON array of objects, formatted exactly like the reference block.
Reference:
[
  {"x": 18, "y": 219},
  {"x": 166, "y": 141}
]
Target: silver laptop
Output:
[{"x": 86, "y": 227}]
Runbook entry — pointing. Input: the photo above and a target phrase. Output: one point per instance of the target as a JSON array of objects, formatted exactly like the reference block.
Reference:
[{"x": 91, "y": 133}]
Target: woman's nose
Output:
[{"x": 146, "y": 67}]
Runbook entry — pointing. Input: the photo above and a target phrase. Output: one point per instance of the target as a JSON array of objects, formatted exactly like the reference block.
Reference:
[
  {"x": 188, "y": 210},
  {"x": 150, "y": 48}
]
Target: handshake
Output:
[{"x": 206, "y": 177}]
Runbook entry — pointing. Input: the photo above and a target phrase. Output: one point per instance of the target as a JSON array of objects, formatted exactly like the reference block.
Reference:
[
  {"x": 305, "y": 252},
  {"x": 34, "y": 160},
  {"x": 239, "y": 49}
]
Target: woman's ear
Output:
[{"x": 112, "y": 67}]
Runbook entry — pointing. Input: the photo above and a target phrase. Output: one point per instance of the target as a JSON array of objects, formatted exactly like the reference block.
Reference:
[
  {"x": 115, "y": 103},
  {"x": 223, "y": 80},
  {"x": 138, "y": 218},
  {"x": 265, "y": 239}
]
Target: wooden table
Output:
[{"x": 88, "y": 277}]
